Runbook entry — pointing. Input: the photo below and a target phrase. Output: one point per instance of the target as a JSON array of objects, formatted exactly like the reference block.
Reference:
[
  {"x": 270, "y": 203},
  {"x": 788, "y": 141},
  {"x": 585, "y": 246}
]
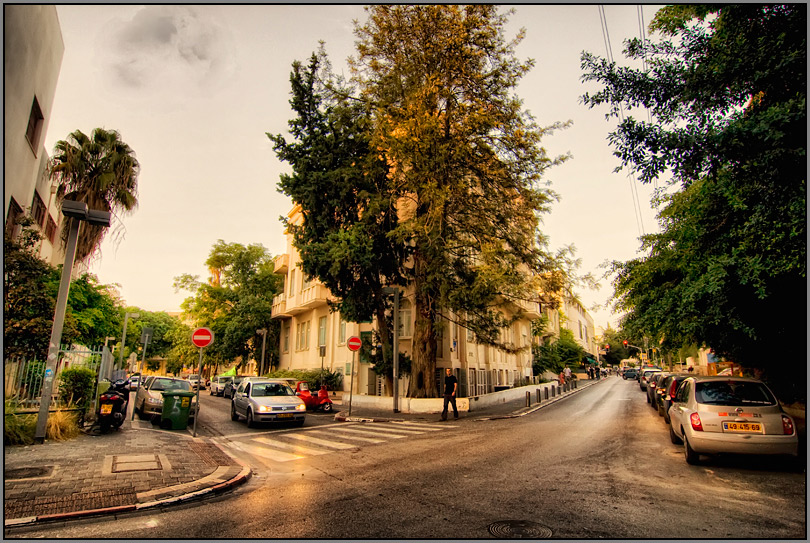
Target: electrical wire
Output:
[{"x": 631, "y": 176}]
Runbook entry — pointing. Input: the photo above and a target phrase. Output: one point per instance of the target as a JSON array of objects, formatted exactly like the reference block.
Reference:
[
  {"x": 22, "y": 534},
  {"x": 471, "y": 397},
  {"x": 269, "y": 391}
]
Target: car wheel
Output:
[
  {"x": 141, "y": 414},
  {"x": 300, "y": 422},
  {"x": 691, "y": 456},
  {"x": 250, "y": 422},
  {"x": 234, "y": 416},
  {"x": 673, "y": 436},
  {"x": 327, "y": 407}
]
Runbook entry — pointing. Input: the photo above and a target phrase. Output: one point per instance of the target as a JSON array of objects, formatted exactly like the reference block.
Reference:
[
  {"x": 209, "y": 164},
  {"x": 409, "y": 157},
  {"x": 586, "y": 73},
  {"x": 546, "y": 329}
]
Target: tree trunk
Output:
[{"x": 423, "y": 368}]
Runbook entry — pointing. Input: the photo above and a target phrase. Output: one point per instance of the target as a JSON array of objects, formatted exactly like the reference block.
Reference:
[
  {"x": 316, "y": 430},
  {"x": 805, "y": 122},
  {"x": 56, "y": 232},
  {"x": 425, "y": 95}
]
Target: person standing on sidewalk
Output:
[
  {"x": 567, "y": 372},
  {"x": 450, "y": 389}
]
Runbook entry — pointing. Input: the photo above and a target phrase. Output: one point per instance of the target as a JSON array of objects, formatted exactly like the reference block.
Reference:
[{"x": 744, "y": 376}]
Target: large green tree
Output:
[
  {"x": 99, "y": 170},
  {"x": 348, "y": 205},
  {"x": 465, "y": 160},
  {"x": 235, "y": 302},
  {"x": 726, "y": 92}
]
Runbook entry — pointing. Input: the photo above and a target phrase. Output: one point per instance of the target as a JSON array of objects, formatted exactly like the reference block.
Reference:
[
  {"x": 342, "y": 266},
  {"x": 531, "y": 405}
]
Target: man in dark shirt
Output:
[{"x": 450, "y": 389}]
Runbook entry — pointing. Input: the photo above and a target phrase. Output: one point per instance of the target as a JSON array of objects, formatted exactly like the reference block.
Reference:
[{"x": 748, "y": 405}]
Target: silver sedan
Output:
[
  {"x": 712, "y": 415},
  {"x": 267, "y": 400}
]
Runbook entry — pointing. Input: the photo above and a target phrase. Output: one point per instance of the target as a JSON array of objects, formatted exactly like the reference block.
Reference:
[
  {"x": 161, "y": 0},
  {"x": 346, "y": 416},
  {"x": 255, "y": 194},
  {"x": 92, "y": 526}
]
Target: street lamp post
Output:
[
  {"x": 78, "y": 211},
  {"x": 395, "y": 292},
  {"x": 124, "y": 338},
  {"x": 262, "y": 332}
]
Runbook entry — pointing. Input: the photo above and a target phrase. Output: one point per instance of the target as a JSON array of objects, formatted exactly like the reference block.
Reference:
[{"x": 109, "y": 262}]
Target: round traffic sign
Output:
[
  {"x": 202, "y": 337},
  {"x": 354, "y": 343}
]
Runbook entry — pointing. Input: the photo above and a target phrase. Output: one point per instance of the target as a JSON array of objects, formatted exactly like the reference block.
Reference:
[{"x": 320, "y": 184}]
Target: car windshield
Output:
[
  {"x": 271, "y": 389},
  {"x": 733, "y": 393},
  {"x": 170, "y": 384}
]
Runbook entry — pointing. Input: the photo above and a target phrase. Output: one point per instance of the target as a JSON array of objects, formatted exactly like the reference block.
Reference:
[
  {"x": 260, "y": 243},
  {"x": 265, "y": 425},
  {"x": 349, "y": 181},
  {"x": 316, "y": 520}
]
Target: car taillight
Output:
[
  {"x": 108, "y": 397},
  {"x": 694, "y": 418},
  {"x": 787, "y": 426}
]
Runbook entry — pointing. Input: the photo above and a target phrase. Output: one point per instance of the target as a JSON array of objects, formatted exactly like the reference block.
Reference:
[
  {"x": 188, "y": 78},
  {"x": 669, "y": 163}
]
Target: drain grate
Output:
[
  {"x": 27, "y": 473},
  {"x": 519, "y": 529}
]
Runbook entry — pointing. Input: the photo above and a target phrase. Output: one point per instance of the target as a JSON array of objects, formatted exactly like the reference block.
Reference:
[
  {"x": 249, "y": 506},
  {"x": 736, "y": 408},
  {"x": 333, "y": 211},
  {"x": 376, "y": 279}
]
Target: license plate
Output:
[
  {"x": 106, "y": 408},
  {"x": 744, "y": 427},
  {"x": 284, "y": 416}
]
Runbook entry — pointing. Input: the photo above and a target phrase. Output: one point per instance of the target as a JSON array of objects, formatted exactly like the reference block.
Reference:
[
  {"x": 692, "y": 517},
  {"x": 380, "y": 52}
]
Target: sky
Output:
[{"x": 193, "y": 90}]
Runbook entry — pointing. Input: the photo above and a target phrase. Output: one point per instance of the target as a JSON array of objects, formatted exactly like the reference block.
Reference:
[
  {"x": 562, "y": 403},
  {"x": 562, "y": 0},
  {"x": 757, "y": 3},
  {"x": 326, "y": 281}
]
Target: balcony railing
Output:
[{"x": 281, "y": 264}]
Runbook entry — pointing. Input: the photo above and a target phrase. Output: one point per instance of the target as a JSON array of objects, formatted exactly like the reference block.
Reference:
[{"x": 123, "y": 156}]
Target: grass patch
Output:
[{"x": 21, "y": 429}]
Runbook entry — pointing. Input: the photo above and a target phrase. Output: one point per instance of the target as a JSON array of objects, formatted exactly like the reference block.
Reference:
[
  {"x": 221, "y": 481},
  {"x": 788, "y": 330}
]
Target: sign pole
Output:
[
  {"x": 351, "y": 384},
  {"x": 197, "y": 404}
]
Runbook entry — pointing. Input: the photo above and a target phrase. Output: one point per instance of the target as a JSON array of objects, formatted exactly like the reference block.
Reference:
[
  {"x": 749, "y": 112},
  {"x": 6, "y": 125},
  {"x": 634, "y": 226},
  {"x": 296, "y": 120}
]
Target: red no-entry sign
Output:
[
  {"x": 354, "y": 343},
  {"x": 202, "y": 337}
]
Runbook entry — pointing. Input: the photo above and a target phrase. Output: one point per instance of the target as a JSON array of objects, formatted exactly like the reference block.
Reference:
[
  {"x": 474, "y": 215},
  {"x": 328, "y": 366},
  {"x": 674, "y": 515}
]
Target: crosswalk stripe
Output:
[
  {"x": 393, "y": 429},
  {"x": 422, "y": 426},
  {"x": 317, "y": 441},
  {"x": 264, "y": 452},
  {"x": 295, "y": 448},
  {"x": 366, "y": 433}
]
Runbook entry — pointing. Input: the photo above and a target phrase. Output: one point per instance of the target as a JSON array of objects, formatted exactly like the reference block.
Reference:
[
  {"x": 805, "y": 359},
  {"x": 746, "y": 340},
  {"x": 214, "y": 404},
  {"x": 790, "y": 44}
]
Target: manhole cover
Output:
[
  {"x": 28, "y": 473},
  {"x": 519, "y": 529}
]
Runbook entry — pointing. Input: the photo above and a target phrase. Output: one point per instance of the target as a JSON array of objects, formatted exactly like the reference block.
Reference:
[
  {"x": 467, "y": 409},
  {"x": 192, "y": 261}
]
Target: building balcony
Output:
[
  {"x": 315, "y": 295},
  {"x": 284, "y": 307},
  {"x": 279, "y": 310},
  {"x": 530, "y": 309},
  {"x": 281, "y": 264}
]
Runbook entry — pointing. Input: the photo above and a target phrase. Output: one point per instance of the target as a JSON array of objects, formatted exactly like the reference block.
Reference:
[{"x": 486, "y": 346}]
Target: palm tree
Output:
[{"x": 102, "y": 172}]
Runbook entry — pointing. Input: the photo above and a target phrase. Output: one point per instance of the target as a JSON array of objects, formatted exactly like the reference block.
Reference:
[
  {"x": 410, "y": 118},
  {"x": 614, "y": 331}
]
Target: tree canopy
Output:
[
  {"x": 726, "y": 91},
  {"x": 101, "y": 171},
  {"x": 235, "y": 302}
]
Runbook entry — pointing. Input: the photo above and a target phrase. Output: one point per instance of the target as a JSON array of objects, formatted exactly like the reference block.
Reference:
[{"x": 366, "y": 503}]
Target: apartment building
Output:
[
  {"x": 313, "y": 337},
  {"x": 33, "y": 49}
]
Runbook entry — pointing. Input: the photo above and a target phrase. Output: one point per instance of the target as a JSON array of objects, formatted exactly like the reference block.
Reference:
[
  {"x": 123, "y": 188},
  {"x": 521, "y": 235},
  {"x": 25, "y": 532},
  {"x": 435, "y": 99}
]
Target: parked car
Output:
[
  {"x": 629, "y": 373},
  {"x": 645, "y": 375},
  {"x": 665, "y": 392},
  {"x": 149, "y": 399},
  {"x": 195, "y": 382},
  {"x": 218, "y": 383},
  {"x": 652, "y": 384},
  {"x": 133, "y": 381},
  {"x": 267, "y": 400},
  {"x": 230, "y": 387},
  {"x": 714, "y": 415}
]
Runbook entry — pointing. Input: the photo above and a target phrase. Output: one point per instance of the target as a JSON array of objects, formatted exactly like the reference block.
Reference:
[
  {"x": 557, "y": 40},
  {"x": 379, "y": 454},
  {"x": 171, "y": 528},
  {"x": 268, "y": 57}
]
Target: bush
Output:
[
  {"x": 332, "y": 380},
  {"x": 76, "y": 386},
  {"x": 21, "y": 429}
]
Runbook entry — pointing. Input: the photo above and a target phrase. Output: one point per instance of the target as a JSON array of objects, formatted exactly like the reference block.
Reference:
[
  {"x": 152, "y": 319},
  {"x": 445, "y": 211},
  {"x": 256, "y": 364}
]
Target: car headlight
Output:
[
  {"x": 264, "y": 409},
  {"x": 301, "y": 407}
]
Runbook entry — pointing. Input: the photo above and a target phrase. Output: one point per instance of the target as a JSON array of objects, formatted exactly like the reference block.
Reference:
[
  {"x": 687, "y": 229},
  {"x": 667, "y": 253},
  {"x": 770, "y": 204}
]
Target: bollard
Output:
[
  {"x": 539, "y": 399},
  {"x": 559, "y": 390},
  {"x": 528, "y": 399},
  {"x": 553, "y": 391},
  {"x": 546, "y": 391},
  {"x": 575, "y": 383}
]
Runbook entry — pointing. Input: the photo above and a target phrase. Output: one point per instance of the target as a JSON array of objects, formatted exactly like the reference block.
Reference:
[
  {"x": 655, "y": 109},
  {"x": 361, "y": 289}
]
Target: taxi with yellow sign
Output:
[{"x": 737, "y": 415}]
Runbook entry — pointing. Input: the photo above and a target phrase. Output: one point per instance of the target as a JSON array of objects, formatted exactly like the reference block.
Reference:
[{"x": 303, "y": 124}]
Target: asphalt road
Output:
[{"x": 597, "y": 465}]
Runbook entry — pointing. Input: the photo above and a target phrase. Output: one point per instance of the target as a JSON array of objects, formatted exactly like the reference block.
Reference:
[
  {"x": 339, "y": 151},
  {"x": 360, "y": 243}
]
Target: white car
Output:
[
  {"x": 713, "y": 415},
  {"x": 267, "y": 400},
  {"x": 149, "y": 399},
  {"x": 218, "y": 383},
  {"x": 195, "y": 382}
]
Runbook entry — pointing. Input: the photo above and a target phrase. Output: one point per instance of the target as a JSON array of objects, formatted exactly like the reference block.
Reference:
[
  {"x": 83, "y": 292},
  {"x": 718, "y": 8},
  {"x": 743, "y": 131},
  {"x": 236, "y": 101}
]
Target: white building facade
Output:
[{"x": 33, "y": 50}]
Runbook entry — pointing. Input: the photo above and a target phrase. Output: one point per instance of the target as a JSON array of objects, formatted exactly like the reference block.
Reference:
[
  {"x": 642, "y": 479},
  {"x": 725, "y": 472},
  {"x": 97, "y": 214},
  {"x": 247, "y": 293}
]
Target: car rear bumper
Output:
[{"x": 716, "y": 442}]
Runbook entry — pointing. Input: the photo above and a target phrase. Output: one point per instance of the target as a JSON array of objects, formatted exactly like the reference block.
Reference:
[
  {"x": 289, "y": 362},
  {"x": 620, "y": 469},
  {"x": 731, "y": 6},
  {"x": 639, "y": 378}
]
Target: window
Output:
[
  {"x": 405, "y": 319},
  {"x": 38, "y": 211},
  {"x": 292, "y": 283},
  {"x": 50, "y": 230},
  {"x": 307, "y": 282},
  {"x": 322, "y": 331},
  {"x": 342, "y": 332},
  {"x": 302, "y": 333},
  {"x": 14, "y": 213},
  {"x": 286, "y": 339},
  {"x": 34, "y": 129}
]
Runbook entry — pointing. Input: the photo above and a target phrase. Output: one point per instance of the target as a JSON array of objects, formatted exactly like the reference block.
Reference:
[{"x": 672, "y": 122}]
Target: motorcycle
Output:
[
  {"x": 319, "y": 402},
  {"x": 112, "y": 406}
]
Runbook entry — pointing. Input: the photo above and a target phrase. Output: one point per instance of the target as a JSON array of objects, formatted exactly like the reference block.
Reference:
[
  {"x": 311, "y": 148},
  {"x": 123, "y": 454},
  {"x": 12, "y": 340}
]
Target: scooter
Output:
[
  {"x": 319, "y": 402},
  {"x": 112, "y": 406}
]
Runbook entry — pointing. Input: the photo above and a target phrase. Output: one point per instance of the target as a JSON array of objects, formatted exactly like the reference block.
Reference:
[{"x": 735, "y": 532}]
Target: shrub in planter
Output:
[{"x": 76, "y": 386}]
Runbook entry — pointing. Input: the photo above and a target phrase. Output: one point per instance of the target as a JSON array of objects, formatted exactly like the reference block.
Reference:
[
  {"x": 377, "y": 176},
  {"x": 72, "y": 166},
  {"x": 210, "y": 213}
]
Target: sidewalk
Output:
[{"x": 142, "y": 466}]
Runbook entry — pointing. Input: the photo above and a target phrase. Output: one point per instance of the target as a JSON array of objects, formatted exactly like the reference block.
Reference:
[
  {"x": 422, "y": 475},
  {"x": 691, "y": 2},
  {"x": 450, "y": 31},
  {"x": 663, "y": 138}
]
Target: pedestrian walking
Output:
[
  {"x": 450, "y": 389},
  {"x": 567, "y": 372}
]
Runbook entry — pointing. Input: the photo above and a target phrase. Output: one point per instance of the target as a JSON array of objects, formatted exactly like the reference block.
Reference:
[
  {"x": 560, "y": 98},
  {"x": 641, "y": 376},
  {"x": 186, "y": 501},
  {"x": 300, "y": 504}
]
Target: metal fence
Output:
[{"x": 22, "y": 379}]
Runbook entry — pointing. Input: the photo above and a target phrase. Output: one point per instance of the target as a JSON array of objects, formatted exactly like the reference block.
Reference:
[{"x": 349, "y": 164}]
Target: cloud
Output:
[{"x": 177, "y": 48}]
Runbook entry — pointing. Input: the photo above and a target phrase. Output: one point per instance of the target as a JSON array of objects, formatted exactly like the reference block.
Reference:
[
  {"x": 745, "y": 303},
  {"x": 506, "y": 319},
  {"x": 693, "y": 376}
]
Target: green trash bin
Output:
[{"x": 176, "y": 407}]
